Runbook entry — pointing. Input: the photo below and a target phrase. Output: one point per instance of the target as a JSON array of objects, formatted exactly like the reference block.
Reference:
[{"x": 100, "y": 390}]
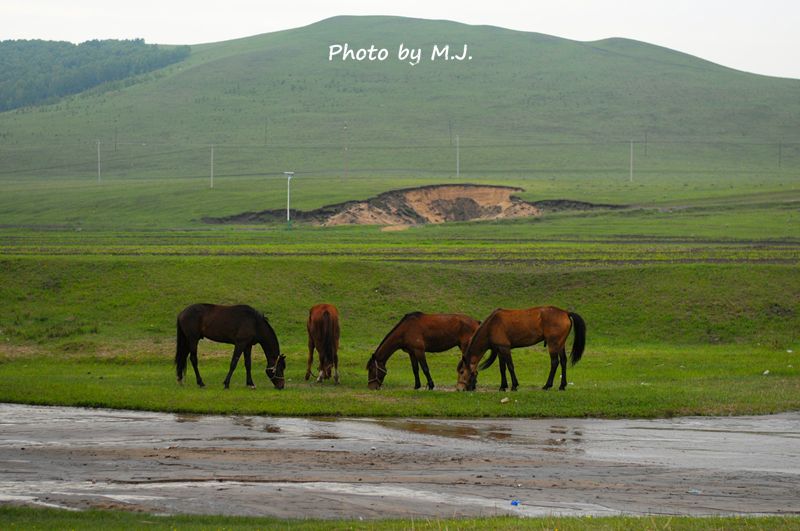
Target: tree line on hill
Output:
[{"x": 33, "y": 72}]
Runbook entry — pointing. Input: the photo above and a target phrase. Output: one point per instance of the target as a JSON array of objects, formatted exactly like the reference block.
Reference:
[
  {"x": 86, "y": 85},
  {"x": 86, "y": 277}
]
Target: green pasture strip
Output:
[
  {"x": 36, "y": 518},
  {"x": 725, "y": 208},
  {"x": 110, "y": 302},
  {"x": 643, "y": 382}
]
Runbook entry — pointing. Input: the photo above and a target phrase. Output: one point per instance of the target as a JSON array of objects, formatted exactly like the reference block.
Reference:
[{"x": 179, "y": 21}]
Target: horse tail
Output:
[
  {"x": 327, "y": 337},
  {"x": 181, "y": 349},
  {"x": 488, "y": 361},
  {"x": 580, "y": 338}
]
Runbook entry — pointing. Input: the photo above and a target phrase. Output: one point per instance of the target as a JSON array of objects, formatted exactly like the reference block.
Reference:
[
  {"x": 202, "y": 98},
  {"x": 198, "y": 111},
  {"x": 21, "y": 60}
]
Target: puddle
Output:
[{"x": 383, "y": 468}]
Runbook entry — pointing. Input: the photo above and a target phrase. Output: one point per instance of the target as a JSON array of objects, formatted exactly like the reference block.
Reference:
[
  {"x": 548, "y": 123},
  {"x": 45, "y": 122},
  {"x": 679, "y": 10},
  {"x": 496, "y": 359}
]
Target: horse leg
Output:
[
  {"x": 506, "y": 353},
  {"x": 237, "y": 351},
  {"x": 323, "y": 373},
  {"x": 310, "y": 357},
  {"x": 336, "y": 368},
  {"x": 247, "y": 366},
  {"x": 415, "y": 368},
  {"x": 562, "y": 356},
  {"x": 503, "y": 381},
  {"x": 193, "y": 358},
  {"x": 553, "y": 367},
  {"x": 424, "y": 364},
  {"x": 184, "y": 355}
]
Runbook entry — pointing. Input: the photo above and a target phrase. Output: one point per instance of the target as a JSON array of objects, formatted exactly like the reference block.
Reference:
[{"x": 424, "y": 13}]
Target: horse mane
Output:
[
  {"x": 401, "y": 321},
  {"x": 271, "y": 331},
  {"x": 483, "y": 324}
]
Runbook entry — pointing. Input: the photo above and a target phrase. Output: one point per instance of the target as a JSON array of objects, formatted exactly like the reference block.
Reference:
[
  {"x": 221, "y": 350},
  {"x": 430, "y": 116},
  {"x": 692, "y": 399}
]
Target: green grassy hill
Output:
[{"x": 526, "y": 104}]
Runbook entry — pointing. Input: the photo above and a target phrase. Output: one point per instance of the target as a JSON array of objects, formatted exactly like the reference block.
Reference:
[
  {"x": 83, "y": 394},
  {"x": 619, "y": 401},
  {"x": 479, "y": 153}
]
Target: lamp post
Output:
[{"x": 288, "y": 175}]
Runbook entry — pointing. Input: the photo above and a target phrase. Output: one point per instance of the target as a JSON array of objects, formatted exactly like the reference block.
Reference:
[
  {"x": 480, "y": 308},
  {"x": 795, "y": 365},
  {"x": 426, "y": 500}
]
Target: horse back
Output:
[
  {"x": 440, "y": 332},
  {"x": 323, "y": 323},
  {"x": 525, "y": 327},
  {"x": 224, "y": 324}
]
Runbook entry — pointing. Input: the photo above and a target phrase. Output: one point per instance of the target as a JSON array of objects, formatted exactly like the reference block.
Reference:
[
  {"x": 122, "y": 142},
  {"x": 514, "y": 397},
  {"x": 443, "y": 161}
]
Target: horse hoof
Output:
[
  {"x": 514, "y": 388},
  {"x": 308, "y": 375},
  {"x": 503, "y": 389},
  {"x": 562, "y": 388},
  {"x": 251, "y": 386},
  {"x": 546, "y": 387}
]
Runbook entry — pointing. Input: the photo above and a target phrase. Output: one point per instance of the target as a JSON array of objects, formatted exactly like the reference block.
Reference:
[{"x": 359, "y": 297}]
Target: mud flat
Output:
[{"x": 370, "y": 468}]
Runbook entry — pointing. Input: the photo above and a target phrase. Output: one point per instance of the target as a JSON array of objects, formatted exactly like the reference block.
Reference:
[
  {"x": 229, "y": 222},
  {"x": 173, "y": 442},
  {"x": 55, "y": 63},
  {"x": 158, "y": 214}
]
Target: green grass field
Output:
[
  {"x": 688, "y": 304},
  {"x": 27, "y": 518}
]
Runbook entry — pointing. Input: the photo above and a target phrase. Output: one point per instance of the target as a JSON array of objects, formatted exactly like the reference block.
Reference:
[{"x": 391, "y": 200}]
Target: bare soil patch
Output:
[{"x": 415, "y": 206}]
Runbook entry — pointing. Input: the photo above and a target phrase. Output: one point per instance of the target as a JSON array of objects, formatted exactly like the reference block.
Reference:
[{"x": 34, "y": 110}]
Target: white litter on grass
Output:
[{"x": 765, "y": 372}]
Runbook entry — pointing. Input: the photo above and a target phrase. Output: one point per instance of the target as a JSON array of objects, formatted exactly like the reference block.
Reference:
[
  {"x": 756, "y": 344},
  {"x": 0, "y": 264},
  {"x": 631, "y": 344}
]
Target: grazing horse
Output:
[
  {"x": 323, "y": 334},
  {"x": 416, "y": 334},
  {"x": 241, "y": 326},
  {"x": 507, "y": 329}
]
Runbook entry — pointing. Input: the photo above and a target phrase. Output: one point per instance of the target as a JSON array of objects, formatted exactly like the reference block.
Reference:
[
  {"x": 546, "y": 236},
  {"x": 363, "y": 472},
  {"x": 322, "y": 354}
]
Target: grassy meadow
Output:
[
  {"x": 28, "y": 518},
  {"x": 691, "y": 303}
]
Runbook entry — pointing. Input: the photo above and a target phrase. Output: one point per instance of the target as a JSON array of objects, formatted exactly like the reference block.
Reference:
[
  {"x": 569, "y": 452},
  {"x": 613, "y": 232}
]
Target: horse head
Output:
[
  {"x": 467, "y": 375},
  {"x": 275, "y": 372},
  {"x": 376, "y": 372}
]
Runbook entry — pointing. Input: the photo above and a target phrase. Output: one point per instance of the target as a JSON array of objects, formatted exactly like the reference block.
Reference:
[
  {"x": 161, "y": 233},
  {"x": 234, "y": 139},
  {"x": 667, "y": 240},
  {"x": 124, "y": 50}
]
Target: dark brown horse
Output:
[
  {"x": 507, "y": 329},
  {"x": 323, "y": 334},
  {"x": 416, "y": 334},
  {"x": 241, "y": 326}
]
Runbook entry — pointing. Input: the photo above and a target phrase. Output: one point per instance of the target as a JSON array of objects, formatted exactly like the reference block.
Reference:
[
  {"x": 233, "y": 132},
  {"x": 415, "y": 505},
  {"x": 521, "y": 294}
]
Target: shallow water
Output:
[{"x": 369, "y": 468}]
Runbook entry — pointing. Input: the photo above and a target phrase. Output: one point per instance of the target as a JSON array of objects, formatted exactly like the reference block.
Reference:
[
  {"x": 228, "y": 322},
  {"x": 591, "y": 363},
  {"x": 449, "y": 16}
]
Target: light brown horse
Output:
[
  {"x": 417, "y": 333},
  {"x": 323, "y": 334},
  {"x": 239, "y": 325},
  {"x": 507, "y": 329}
]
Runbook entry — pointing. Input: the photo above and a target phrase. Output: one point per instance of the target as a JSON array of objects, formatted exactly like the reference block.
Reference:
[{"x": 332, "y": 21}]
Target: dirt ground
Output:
[
  {"x": 371, "y": 468},
  {"x": 425, "y": 204}
]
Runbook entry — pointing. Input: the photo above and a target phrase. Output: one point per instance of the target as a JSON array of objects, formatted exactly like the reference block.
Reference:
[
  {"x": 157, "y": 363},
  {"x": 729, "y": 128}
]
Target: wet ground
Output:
[{"x": 351, "y": 468}]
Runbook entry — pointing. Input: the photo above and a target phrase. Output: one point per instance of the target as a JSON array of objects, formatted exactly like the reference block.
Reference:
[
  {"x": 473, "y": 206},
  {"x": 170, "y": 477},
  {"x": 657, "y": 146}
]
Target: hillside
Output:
[{"x": 524, "y": 103}]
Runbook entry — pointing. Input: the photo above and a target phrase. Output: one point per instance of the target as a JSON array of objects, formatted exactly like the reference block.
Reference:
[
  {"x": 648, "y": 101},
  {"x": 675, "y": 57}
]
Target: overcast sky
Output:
[{"x": 755, "y": 36}]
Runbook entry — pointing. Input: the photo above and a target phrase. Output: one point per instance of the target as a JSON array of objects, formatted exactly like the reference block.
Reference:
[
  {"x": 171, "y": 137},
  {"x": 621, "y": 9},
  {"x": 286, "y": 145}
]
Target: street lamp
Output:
[{"x": 288, "y": 175}]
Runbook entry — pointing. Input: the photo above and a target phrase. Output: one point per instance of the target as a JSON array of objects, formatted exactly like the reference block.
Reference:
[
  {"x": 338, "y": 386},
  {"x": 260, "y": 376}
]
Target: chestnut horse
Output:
[
  {"x": 241, "y": 326},
  {"x": 417, "y": 333},
  {"x": 507, "y": 329},
  {"x": 323, "y": 334}
]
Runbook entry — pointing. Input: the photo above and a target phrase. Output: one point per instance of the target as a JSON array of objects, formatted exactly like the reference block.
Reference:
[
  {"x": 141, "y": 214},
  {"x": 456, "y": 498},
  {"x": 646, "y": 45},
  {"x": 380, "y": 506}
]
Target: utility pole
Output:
[
  {"x": 288, "y": 175},
  {"x": 98, "y": 162},
  {"x": 212, "y": 165},
  {"x": 631, "y": 176},
  {"x": 458, "y": 160},
  {"x": 346, "y": 154}
]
